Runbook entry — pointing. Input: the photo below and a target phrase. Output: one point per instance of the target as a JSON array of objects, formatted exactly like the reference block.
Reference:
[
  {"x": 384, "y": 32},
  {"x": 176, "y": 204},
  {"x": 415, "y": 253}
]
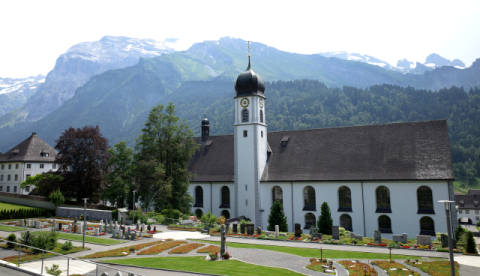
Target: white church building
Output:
[{"x": 387, "y": 177}]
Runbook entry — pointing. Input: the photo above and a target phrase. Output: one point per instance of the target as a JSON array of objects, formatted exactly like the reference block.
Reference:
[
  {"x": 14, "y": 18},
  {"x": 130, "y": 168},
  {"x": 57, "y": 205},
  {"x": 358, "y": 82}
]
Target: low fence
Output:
[{"x": 67, "y": 264}]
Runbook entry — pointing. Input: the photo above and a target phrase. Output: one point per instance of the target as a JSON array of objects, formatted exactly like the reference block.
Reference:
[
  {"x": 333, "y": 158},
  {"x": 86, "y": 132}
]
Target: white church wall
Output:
[
  {"x": 206, "y": 196},
  {"x": 217, "y": 198},
  {"x": 403, "y": 201},
  {"x": 267, "y": 201}
]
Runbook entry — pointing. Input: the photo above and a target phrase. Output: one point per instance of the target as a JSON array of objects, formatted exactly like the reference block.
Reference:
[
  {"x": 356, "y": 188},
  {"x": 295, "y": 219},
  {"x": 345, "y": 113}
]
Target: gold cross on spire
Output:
[{"x": 248, "y": 48}]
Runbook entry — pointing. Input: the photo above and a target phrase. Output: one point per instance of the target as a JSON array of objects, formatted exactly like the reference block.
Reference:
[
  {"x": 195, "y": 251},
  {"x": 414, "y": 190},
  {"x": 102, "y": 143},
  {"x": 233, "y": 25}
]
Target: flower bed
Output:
[
  {"x": 295, "y": 239},
  {"x": 395, "y": 269},
  {"x": 123, "y": 251},
  {"x": 185, "y": 248},
  {"x": 358, "y": 269},
  {"x": 321, "y": 266},
  {"x": 435, "y": 268},
  {"x": 161, "y": 247},
  {"x": 209, "y": 249},
  {"x": 405, "y": 246}
]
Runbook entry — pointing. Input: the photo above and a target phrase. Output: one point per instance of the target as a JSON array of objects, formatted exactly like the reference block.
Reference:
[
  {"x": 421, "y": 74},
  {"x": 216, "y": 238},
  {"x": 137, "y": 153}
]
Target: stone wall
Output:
[{"x": 92, "y": 214}]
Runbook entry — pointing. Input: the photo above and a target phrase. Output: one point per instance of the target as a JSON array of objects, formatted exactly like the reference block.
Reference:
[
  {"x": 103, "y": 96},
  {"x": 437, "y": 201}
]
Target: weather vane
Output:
[{"x": 249, "y": 48}]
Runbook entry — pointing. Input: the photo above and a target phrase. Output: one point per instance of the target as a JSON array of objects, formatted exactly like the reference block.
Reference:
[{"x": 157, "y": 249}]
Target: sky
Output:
[{"x": 34, "y": 33}]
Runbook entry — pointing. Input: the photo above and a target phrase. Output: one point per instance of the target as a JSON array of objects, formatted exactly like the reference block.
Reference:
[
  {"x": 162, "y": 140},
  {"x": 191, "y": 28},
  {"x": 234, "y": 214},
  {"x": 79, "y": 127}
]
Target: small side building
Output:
[
  {"x": 29, "y": 158},
  {"x": 468, "y": 206}
]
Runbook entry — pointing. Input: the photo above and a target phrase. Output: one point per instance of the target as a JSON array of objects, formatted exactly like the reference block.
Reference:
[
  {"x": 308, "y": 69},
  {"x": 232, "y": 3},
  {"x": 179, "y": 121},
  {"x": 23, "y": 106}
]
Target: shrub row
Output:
[{"x": 25, "y": 213}]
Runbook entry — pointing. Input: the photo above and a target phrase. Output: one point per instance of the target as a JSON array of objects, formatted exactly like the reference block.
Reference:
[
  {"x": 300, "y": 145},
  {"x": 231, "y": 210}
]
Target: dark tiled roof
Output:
[
  {"x": 30, "y": 150},
  {"x": 467, "y": 201},
  {"x": 400, "y": 151},
  {"x": 474, "y": 192},
  {"x": 215, "y": 163}
]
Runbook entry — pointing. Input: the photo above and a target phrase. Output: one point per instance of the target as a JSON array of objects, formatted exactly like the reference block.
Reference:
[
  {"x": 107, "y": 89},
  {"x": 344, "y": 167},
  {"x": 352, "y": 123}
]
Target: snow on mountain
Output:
[
  {"x": 358, "y": 57},
  {"x": 9, "y": 85}
]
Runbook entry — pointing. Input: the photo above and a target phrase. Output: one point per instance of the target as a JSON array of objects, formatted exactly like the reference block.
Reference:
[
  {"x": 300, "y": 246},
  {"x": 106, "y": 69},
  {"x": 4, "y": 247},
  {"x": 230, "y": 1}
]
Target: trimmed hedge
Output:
[{"x": 25, "y": 213}]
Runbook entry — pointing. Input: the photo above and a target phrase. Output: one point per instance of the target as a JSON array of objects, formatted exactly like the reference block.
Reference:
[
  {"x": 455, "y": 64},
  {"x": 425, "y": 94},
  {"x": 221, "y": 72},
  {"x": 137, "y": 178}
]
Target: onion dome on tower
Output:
[
  {"x": 249, "y": 83},
  {"x": 205, "y": 128}
]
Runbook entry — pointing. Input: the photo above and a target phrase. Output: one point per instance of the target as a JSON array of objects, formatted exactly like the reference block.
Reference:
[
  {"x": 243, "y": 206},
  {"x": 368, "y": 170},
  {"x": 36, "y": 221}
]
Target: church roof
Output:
[
  {"x": 31, "y": 149},
  {"x": 399, "y": 151}
]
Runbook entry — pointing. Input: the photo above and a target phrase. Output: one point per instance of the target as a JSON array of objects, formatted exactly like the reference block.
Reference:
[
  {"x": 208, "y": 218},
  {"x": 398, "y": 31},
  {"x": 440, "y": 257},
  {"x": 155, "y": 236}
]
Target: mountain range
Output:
[
  {"x": 15, "y": 92},
  {"x": 114, "y": 85}
]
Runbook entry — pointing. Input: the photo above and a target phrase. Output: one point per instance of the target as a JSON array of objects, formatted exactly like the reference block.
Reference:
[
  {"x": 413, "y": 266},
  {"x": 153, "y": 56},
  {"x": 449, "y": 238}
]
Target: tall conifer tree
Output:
[
  {"x": 325, "y": 221},
  {"x": 277, "y": 217}
]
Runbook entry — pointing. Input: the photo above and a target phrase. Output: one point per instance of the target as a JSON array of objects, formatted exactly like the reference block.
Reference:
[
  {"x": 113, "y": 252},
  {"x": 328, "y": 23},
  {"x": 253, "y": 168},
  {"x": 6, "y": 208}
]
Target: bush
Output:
[
  {"x": 470, "y": 246},
  {"x": 115, "y": 215},
  {"x": 41, "y": 239},
  {"x": 478, "y": 223},
  {"x": 342, "y": 232},
  {"x": 54, "y": 270},
  {"x": 169, "y": 212},
  {"x": 12, "y": 238},
  {"x": 209, "y": 218},
  {"x": 67, "y": 246}
]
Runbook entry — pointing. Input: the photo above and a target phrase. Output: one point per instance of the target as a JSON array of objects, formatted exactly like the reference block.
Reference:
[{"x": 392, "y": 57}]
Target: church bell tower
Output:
[{"x": 250, "y": 135}]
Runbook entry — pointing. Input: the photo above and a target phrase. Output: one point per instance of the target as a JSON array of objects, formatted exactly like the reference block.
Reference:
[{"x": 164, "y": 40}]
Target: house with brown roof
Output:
[
  {"x": 388, "y": 177},
  {"x": 29, "y": 158}
]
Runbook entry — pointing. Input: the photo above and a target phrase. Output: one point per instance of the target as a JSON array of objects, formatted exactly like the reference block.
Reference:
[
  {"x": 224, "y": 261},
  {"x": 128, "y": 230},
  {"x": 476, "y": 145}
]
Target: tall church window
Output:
[
  {"x": 383, "y": 200},
  {"x": 425, "y": 200},
  {"x": 245, "y": 116},
  {"x": 344, "y": 199},
  {"x": 225, "y": 197},
  {"x": 277, "y": 195},
  {"x": 198, "y": 197},
  {"x": 427, "y": 226},
  {"x": 199, "y": 213},
  {"x": 384, "y": 224},
  {"x": 309, "y": 198},
  {"x": 309, "y": 220},
  {"x": 261, "y": 116},
  {"x": 346, "y": 222},
  {"x": 226, "y": 214}
]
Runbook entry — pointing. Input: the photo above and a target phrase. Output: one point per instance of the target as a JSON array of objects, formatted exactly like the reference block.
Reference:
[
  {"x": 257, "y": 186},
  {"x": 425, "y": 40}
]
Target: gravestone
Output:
[
  {"x": 143, "y": 227},
  {"x": 134, "y": 235},
  {"x": 277, "y": 230},
  {"x": 22, "y": 222},
  {"x": 60, "y": 226},
  {"x": 235, "y": 229},
  {"x": 424, "y": 240},
  {"x": 39, "y": 224},
  {"x": 137, "y": 226},
  {"x": 227, "y": 228},
  {"x": 444, "y": 239},
  {"x": 80, "y": 229},
  {"x": 54, "y": 224},
  {"x": 352, "y": 235},
  {"x": 101, "y": 221},
  {"x": 114, "y": 234},
  {"x": 335, "y": 232},
  {"x": 155, "y": 228},
  {"x": 242, "y": 228},
  {"x": 104, "y": 274},
  {"x": 259, "y": 231},
  {"x": 377, "y": 236},
  {"x": 96, "y": 233},
  {"x": 250, "y": 229},
  {"x": 298, "y": 230},
  {"x": 400, "y": 238},
  {"x": 100, "y": 228},
  {"x": 119, "y": 274},
  {"x": 69, "y": 228},
  {"x": 313, "y": 232},
  {"x": 149, "y": 228},
  {"x": 454, "y": 243},
  {"x": 27, "y": 237}
]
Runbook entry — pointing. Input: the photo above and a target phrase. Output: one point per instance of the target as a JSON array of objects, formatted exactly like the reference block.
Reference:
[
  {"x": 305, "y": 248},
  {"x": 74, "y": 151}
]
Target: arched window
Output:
[
  {"x": 226, "y": 214},
  {"x": 225, "y": 197},
  {"x": 261, "y": 116},
  {"x": 245, "y": 116},
  {"x": 309, "y": 198},
  {"x": 344, "y": 199},
  {"x": 198, "y": 213},
  {"x": 383, "y": 200},
  {"x": 384, "y": 224},
  {"x": 425, "y": 200},
  {"x": 277, "y": 194},
  {"x": 346, "y": 222},
  {"x": 427, "y": 226},
  {"x": 309, "y": 220},
  {"x": 198, "y": 197}
]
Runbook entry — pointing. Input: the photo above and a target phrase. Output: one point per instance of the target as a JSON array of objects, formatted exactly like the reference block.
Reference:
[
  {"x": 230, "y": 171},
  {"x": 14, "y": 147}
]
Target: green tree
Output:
[
  {"x": 56, "y": 197},
  {"x": 458, "y": 232},
  {"x": 325, "y": 221},
  {"x": 471, "y": 246},
  {"x": 164, "y": 149},
  {"x": 119, "y": 188},
  {"x": 43, "y": 183},
  {"x": 277, "y": 217}
]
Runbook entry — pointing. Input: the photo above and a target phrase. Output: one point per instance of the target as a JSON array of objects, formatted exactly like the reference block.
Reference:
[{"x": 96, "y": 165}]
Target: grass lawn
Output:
[
  {"x": 315, "y": 253},
  {"x": 9, "y": 206},
  {"x": 96, "y": 240},
  {"x": 462, "y": 187},
  {"x": 11, "y": 228},
  {"x": 198, "y": 264}
]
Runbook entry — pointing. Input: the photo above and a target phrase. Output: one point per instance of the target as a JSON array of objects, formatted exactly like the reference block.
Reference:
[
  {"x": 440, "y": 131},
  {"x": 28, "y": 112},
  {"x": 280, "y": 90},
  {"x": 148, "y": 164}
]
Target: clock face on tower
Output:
[
  {"x": 260, "y": 103},
  {"x": 244, "y": 102}
]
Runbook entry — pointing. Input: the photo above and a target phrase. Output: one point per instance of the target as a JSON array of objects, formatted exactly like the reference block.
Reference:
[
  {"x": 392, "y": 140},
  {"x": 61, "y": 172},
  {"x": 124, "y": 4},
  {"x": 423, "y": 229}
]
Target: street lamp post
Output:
[
  {"x": 84, "y": 219},
  {"x": 133, "y": 206},
  {"x": 450, "y": 247}
]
